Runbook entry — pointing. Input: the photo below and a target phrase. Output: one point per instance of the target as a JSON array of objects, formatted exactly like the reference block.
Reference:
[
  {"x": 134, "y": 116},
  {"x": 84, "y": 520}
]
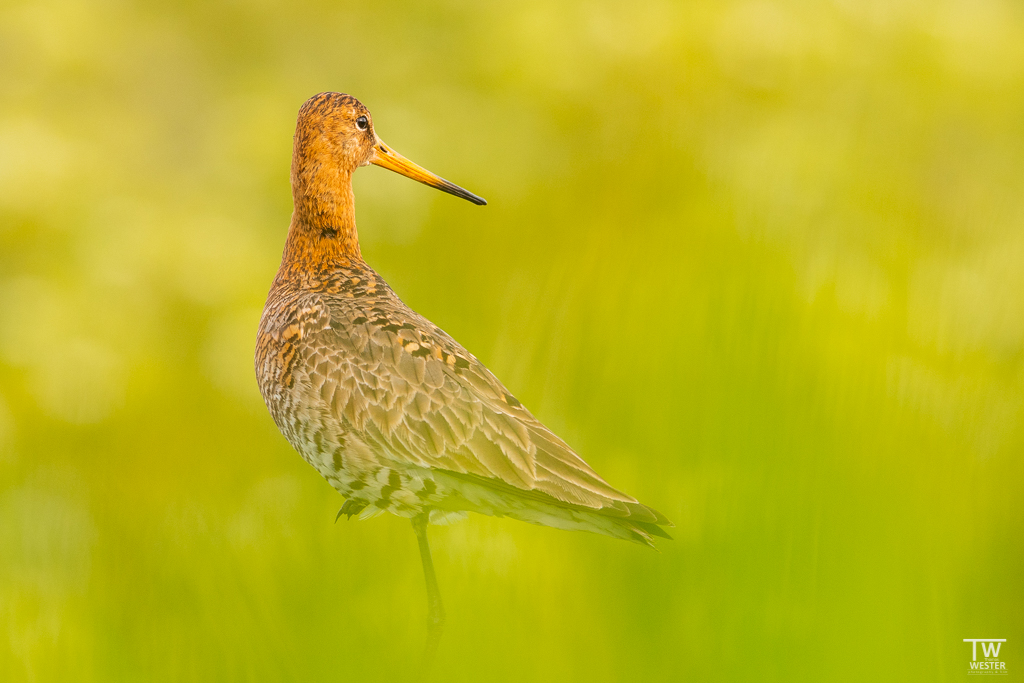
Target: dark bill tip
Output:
[{"x": 451, "y": 188}]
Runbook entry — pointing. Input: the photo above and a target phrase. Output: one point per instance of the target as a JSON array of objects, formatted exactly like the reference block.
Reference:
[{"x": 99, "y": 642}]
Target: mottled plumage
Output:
[{"x": 392, "y": 411}]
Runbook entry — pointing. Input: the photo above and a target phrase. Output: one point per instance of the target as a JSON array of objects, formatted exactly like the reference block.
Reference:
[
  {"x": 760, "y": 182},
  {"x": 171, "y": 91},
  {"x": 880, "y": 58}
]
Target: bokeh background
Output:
[{"x": 761, "y": 262}]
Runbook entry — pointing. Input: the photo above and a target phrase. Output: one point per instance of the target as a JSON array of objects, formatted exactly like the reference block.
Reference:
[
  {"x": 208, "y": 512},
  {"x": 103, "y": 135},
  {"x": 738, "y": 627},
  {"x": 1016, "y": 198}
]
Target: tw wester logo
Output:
[{"x": 989, "y": 664}]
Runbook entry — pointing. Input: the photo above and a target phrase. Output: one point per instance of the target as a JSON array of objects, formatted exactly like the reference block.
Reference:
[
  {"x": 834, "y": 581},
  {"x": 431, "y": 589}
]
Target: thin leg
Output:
[{"x": 435, "y": 609}]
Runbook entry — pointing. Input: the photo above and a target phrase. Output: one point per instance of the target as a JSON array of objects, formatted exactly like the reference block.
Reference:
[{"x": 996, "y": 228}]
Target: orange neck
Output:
[{"x": 323, "y": 227}]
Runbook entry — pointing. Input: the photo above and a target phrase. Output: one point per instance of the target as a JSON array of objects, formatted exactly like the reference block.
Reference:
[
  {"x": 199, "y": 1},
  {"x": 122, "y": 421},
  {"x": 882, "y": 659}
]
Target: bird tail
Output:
[{"x": 630, "y": 522}]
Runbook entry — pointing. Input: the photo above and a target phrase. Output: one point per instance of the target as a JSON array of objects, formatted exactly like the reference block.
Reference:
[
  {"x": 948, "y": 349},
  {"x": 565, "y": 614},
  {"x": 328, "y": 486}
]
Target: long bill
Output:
[{"x": 388, "y": 158}]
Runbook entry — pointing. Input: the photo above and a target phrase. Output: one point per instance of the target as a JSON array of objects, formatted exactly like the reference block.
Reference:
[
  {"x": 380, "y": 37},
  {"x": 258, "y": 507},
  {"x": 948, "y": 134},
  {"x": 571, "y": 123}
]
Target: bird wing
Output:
[{"x": 417, "y": 396}]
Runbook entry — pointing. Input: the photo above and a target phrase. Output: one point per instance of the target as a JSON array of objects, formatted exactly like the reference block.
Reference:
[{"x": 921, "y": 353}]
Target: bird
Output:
[{"x": 394, "y": 413}]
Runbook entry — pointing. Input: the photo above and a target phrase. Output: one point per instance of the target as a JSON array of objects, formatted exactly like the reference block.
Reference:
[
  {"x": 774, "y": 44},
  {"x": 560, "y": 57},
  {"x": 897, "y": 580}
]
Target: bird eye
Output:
[{"x": 362, "y": 123}]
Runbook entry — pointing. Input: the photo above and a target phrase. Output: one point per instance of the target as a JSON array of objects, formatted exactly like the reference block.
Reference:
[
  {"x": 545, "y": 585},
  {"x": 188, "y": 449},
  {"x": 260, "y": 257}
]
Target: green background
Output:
[{"x": 761, "y": 263}]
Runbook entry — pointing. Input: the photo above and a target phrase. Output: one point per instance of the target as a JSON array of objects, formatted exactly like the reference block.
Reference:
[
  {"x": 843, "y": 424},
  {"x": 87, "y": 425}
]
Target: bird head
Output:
[{"x": 335, "y": 129}]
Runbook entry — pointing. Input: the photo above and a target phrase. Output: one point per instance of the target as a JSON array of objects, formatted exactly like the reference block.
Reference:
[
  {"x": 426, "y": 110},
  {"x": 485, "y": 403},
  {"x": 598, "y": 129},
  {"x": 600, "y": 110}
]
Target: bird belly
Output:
[{"x": 366, "y": 477}]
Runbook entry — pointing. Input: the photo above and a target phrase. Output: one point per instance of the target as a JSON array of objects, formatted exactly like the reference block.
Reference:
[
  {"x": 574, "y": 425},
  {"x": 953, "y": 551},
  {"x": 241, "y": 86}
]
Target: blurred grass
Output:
[{"x": 761, "y": 262}]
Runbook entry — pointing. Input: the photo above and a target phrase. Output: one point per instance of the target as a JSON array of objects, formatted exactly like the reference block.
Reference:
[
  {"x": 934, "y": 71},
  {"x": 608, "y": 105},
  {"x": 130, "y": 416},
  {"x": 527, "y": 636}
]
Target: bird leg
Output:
[{"x": 435, "y": 609}]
